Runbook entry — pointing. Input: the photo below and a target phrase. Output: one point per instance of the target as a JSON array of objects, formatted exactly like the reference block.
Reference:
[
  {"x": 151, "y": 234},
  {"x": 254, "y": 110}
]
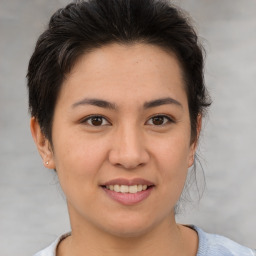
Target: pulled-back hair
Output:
[{"x": 83, "y": 26}]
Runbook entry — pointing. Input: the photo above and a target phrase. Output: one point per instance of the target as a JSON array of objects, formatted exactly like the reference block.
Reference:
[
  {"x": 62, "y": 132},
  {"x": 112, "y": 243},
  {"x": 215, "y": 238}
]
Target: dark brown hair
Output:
[{"x": 86, "y": 25}]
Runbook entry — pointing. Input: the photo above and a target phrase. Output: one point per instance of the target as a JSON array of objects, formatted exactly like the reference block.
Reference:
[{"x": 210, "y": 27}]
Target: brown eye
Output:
[
  {"x": 159, "y": 120},
  {"x": 96, "y": 121}
]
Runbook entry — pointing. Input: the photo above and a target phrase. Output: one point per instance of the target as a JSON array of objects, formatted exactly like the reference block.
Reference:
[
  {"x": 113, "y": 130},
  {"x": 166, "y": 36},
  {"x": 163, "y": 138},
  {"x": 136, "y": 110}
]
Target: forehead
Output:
[
  {"x": 123, "y": 71},
  {"x": 126, "y": 57}
]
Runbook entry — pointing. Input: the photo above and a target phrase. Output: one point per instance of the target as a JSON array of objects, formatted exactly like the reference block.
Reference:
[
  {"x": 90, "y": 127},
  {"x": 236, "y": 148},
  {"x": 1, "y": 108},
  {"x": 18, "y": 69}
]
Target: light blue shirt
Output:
[
  {"x": 209, "y": 245},
  {"x": 216, "y": 245}
]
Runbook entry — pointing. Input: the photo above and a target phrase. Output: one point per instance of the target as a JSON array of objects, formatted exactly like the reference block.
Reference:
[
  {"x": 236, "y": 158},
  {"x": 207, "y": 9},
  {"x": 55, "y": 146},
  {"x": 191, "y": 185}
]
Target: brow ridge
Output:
[
  {"x": 109, "y": 105},
  {"x": 95, "y": 102},
  {"x": 162, "y": 101}
]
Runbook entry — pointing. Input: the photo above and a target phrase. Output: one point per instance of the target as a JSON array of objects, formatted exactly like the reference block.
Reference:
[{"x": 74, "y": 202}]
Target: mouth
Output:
[
  {"x": 128, "y": 192},
  {"x": 127, "y": 189}
]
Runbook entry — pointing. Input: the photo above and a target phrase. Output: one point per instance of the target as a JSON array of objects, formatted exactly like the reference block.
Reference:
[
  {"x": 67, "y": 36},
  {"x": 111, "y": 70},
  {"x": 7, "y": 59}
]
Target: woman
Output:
[{"x": 117, "y": 96}]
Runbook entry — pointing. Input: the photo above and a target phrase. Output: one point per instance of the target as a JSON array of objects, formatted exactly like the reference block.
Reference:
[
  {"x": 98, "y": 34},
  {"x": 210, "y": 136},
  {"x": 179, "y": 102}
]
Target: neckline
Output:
[{"x": 193, "y": 227}]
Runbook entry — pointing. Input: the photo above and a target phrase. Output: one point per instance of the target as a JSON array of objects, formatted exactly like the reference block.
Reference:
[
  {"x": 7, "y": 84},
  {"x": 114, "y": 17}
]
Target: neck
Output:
[{"x": 167, "y": 238}]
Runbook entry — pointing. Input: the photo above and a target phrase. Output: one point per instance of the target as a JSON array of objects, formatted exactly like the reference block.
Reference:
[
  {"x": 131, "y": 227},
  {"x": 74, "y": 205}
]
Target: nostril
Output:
[{"x": 128, "y": 151}]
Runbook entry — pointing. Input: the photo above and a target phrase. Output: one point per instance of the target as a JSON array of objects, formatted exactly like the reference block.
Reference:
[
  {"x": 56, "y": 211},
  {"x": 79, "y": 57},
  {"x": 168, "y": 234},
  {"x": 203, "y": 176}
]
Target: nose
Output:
[{"x": 128, "y": 149}]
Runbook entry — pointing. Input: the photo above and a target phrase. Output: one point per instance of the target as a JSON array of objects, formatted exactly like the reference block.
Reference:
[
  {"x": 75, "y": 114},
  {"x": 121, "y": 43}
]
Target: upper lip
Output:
[{"x": 128, "y": 182}]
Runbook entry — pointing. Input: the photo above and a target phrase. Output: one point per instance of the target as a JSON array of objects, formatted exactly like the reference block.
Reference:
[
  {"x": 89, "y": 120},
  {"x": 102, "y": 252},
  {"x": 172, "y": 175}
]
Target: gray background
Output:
[{"x": 32, "y": 206}]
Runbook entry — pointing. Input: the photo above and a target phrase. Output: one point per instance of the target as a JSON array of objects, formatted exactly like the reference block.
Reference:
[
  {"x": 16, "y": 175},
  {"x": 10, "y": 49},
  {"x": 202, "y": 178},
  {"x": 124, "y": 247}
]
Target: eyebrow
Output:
[
  {"x": 109, "y": 105},
  {"x": 159, "y": 102},
  {"x": 95, "y": 102}
]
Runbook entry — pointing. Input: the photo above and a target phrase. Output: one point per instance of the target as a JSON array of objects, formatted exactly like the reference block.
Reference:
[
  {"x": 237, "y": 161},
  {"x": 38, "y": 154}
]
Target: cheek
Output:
[
  {"x": 78, "y": 154},
  {"x": 78, "y": 162},
  {"x": 173, "y": 151},
  {"x": 172, "y": 160},
  {"x": 78, "y": 165}
]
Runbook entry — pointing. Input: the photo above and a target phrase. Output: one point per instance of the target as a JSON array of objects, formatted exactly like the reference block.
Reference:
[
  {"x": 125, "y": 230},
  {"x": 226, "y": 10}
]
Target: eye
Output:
[
  {"x": 159, "y": 120},
  {"x": 96, "y": 121}
]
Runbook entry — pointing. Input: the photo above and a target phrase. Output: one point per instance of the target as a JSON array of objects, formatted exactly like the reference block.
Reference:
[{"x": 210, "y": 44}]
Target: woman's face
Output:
[{"x": 122, "y": 120}]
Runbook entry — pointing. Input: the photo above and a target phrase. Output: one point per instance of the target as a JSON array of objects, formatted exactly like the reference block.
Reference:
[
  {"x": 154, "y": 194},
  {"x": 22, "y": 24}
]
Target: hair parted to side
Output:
[{"x": 83, "y": 26}]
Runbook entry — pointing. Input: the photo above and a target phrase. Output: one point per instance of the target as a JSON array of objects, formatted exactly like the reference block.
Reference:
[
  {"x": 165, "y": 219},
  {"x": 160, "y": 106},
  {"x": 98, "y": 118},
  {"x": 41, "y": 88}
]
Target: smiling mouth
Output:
[{"x": 127, "y": 189}]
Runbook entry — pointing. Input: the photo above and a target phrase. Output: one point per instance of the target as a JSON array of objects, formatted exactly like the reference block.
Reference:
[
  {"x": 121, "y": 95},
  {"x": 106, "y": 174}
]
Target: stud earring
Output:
[{"x": 47, "y": 163}]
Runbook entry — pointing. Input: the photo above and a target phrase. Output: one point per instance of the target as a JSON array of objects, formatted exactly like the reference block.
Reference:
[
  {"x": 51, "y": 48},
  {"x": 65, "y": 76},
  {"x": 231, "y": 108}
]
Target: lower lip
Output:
[{"x": 128, "y": 198}]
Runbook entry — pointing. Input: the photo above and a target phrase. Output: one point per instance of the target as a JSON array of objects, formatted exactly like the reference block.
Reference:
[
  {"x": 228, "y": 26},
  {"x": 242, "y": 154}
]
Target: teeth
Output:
[
  {"x": 116, "y": 188},
  {"x": 127, "y": 189},
  {"x": 140, "y": 188},
  {"x": 124, "y": 189},
  {"x": 133, "y": 189}
]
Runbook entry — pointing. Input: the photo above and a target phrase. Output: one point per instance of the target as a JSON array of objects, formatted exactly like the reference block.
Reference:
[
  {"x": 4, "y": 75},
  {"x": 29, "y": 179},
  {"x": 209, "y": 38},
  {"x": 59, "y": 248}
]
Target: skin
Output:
[{"x": 127, "y": 143}]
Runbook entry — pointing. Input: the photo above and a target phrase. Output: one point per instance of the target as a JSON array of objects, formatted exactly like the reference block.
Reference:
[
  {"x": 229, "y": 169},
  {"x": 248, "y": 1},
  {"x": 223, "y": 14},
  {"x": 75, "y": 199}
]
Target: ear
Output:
[
  {"x": 43, "y": 145},
  {"x": 193, "y": 145}
]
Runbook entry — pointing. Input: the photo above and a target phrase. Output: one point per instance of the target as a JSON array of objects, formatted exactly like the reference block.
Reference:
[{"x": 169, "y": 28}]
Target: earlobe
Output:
[
  {"x": 191, "y": 160},
  {"x": 43, "y": 145}
]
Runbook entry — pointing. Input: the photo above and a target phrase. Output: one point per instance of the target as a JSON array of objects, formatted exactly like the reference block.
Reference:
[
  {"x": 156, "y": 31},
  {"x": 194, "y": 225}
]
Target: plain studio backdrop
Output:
[{"x": 32, "y": 206}]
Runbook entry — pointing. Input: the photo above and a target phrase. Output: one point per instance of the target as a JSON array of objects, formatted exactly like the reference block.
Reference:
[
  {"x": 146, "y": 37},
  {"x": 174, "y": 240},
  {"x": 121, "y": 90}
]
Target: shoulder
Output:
[
  {"x": 51, "y": 249},
  {"x": 216, "y": 245}
]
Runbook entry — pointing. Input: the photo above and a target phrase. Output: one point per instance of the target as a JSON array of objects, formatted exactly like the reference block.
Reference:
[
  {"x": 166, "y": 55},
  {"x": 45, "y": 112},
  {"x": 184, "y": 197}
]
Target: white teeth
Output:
[
  {"x": 133, "y": 189},
  {"x": 116, "y": 188},
  {"x": 139, "y": 188},
  {"x": 127, "y": 189},
  {"x": 124, "y": 189}
]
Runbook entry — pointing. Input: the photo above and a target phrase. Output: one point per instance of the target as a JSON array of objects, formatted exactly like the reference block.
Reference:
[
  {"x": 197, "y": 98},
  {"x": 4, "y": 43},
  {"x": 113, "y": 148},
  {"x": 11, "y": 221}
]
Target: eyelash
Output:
[
  {"x": 167, "y": 119},
  {"x": 87, "y": 119}
]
